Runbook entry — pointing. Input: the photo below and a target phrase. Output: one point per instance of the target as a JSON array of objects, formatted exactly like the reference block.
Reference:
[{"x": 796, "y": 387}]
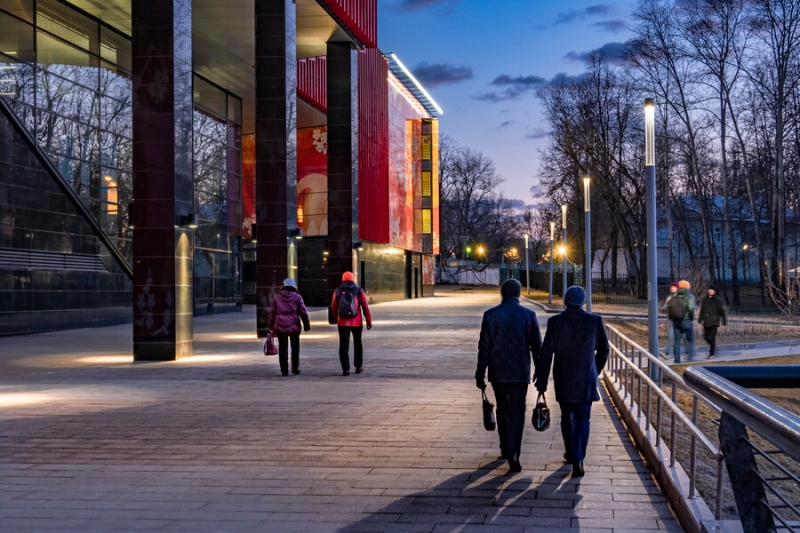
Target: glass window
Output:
[
  {"x": 115, "y": 48},
  {"x": 19, "y": 8},
  {"x": 16, "y": 39},
  {"x": 68, "y": 24},
  {"x": 210, "y": 99},
  {"x": 55, "y": 54}
]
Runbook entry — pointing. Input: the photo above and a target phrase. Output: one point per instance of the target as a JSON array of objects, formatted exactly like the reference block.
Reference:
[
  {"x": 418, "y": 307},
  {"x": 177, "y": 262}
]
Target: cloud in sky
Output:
[
  {"x": 612, "y": 26},
  {"x": 412, "y": 6},
  {"x": 599, "y": 10},
  {"x": 519, "y": 205},
  {"x": 436, "y": 74},
  {"x": 613, "y": 52},
  {"x": 538, "y": 133},
  {"x": 514, "y": 88},
  {"x": 508, "y": 124}
]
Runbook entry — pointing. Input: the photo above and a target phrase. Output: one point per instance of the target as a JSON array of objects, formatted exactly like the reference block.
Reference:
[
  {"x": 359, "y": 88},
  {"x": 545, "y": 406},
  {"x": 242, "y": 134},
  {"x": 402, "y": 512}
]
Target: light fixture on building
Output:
[
  {"x": 358, "y": 246},
  {"x": 189, "y": 221},
  {"x": 297, "y": 233}
]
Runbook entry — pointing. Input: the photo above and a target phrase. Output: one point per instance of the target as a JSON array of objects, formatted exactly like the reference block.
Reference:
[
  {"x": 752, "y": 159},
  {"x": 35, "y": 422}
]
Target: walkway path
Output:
[{"x": 222, "y": 442}]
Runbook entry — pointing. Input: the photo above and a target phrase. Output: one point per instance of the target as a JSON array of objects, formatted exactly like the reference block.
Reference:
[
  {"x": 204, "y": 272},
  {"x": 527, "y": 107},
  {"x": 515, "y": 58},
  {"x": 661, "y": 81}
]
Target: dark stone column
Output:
[
  {"x": 162, "y": 179},
  {"x": 276, "y": 150},
  {"x": 342, "y": 73}
]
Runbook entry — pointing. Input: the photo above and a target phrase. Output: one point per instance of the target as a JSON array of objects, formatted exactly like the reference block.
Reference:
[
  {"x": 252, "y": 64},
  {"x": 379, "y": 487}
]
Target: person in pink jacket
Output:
[
  {"x": 349, "y": 301},
  {"x": 286, "y": 314}
]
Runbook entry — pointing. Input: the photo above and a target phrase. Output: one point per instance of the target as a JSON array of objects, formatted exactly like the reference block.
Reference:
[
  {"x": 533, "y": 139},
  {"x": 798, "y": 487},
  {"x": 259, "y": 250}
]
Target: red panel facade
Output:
[
  {"x": 373, "y": 146},
  {"x": 312, "y": 81},
  {"x": 360, "y": 17}
]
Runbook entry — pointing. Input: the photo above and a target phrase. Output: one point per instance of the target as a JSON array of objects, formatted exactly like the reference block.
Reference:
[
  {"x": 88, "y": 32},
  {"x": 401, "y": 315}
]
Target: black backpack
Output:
[
  {"x": 676, "y": 308},
  {"x": 348, "y": 301}
]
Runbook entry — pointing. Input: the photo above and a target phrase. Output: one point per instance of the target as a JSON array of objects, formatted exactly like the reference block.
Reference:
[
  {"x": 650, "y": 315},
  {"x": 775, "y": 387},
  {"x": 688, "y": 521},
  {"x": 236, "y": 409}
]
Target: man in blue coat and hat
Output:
[
  {"x": 510, "y": 340},
  {"x": 576, "y": 346}
]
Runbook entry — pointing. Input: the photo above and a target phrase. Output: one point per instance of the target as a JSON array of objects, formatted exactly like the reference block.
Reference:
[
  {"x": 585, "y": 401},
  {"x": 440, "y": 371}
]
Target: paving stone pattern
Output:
[{"x": 222, "y": 442}]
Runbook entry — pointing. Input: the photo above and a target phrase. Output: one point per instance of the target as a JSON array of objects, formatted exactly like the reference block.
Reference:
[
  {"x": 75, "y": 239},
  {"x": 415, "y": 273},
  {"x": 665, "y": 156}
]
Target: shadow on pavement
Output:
[{"x": 486, "y": 496}]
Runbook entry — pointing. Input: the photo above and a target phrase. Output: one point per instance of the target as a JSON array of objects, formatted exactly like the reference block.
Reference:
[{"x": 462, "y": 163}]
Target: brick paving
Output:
[{"x": 221, "y": 442}]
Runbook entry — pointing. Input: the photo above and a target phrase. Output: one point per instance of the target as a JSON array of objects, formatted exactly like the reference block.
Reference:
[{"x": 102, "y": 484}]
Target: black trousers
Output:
[
  {"x": 710, "y": 336},
  {"x": 510, "y": 398},
  {"x": 575, "y": 429},
  {"x": 344, "y": 346},
  {"x": 283, "y": 352}
]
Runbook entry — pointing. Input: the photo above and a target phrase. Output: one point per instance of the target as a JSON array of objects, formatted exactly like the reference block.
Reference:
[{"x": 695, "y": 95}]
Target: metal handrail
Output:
[{"x": 625, "y": 370}]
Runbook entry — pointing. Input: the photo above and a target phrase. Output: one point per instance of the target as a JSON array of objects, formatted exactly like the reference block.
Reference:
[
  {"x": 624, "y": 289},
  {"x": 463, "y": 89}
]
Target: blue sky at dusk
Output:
[{"x": 482, "y": 61}]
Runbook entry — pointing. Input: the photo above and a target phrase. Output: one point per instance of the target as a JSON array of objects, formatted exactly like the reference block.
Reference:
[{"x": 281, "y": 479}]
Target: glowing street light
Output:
[
  {"x": 652, "y": 245},
  {"x": 564, "y": 240},
  {"x": 587, "y": 182},
  {"x": 552, "y": 253}
]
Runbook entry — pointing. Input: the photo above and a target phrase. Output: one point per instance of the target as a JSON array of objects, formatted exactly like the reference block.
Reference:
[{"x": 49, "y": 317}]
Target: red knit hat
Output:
[
  {"x": 673, "y": 284},
  {"x": 348, "y": 276}
]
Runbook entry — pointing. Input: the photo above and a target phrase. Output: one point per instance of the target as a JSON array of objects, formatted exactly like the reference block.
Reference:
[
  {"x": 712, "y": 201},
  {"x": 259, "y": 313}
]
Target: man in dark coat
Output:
[
  {"x": 712, "y": 312},
  {"x": 577, "y": 347},
  {"x": 510, "y": 337}
]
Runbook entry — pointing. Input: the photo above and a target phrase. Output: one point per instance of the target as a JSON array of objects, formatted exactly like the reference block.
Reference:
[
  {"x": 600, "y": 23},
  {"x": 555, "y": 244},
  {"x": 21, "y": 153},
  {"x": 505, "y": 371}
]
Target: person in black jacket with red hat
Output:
[
  {"x": 510, "y": 338},
  {"x": 576, "y": 345}
]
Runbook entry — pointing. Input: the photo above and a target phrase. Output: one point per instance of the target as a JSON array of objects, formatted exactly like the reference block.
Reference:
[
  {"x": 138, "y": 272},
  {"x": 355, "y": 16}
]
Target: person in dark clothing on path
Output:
[
  {"x": 510, "y": 338},
  {"x": 349, "y": 301},
  {"x": 684, "y": 327},
  {"x": 712, "y": 312},
  {"x": 576, "y": 346},
  {"x": 285, "y": 315}
]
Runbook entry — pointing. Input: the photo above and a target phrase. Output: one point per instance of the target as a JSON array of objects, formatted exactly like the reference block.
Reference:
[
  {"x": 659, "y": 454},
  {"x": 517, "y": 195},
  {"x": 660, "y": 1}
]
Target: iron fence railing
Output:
[{"x": 634, "y": 369}]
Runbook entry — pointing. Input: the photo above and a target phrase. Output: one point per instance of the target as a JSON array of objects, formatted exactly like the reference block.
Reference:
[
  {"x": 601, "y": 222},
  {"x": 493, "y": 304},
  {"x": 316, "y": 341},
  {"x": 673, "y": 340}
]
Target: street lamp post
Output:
[
  {"x": 552, "y": 253},
  {"x": 527, "y": 265},
  {"x": 587, "y": 272},
  {"x": 652, "y": 244},
  {"x": 564, "y": 238}
]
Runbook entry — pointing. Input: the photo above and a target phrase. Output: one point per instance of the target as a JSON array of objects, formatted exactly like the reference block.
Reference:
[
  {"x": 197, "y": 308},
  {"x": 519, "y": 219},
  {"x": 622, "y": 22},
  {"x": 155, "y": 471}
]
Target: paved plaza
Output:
[{"x": 222, "y": 442}]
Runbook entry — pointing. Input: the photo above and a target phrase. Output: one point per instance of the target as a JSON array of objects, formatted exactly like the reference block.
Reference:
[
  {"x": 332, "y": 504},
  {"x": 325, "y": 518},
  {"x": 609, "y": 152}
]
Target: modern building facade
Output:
[{"x": 163, "y": 159}]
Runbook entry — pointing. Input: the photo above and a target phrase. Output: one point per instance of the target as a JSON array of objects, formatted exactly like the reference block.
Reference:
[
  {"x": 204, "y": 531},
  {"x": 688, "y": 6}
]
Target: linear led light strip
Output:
[
  {"x": 409, "y": 97},
  {"x": 418, "y": 84}
]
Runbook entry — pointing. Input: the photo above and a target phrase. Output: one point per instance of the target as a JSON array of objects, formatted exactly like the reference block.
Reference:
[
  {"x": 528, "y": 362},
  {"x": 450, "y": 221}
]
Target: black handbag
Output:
[
  {"x": 541, "y": 414},
  {"x": 489, "y": 421}
]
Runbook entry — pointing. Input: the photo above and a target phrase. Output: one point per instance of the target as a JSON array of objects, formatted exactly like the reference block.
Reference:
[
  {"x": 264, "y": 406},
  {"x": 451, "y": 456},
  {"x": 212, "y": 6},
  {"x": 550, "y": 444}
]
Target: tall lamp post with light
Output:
[
  {"x": 652, "y": 245},
  {"x": 552, "y": 253},
  {"x": 587, "y": 272},
  {"x": 527, "y": 265},
  {"x": 564, "y": 240}
]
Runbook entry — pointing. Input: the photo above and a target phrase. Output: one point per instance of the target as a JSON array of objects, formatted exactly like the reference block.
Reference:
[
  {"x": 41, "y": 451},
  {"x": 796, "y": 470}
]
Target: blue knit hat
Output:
[
  {"x": 289, "y": 282},
  {"x": 575, "y": 295}
]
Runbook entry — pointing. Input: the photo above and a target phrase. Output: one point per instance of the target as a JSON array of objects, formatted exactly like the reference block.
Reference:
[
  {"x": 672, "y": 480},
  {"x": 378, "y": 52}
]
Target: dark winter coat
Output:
[
  {"x": 510, "y": 337},
  {"x": 712, "y": 312},
  {"x": 576, "y": 346},
  {"x": 362, "y": 307},
  {"x": 287, "y": 310}
]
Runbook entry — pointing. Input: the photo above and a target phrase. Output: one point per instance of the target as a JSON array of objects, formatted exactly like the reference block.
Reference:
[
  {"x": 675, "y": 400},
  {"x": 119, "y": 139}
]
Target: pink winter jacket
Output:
[{"x": 287, "y": 311}]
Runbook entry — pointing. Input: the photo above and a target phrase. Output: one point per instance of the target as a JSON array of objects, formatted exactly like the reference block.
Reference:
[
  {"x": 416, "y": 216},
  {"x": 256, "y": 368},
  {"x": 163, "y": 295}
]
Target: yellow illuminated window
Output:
[
  {"x": 427, "y": 185},
  {"x": 426, "y": 222}
]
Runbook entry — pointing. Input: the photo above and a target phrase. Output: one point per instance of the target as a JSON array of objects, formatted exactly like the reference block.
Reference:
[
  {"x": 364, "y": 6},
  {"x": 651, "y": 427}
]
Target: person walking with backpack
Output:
[
  {"x": 712, "y": 312},
  {"x": 510, "y": 339},
  {"x": 680, "y": 311},
  {"x": 349, "y": 301},
  {"x": 576, "y": 345},
  {"x": 673, "y": 289},
  {"x": 285, "y": 315}
]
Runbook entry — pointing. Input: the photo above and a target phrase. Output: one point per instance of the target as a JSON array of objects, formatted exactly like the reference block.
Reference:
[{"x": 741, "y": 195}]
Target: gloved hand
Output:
[
  {"x": 480, "y": 383},
  {"x": 369, "y": 325},
  {"x": 307, "y": 329}
]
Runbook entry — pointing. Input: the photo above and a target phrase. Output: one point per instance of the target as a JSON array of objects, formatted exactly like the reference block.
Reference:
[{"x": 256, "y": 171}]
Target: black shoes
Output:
[
  {"x": 566, "y": 458},
  {"x": 710, "y": 356},
  {"x": 577, "y": 469},
  {"x": 345, "y": 372},
  {"x": 513, "y": 464},
  {"x": 296, "y": 371},
  {"x": 359, "y": 370},
  {"x": 284, "y": 374}
]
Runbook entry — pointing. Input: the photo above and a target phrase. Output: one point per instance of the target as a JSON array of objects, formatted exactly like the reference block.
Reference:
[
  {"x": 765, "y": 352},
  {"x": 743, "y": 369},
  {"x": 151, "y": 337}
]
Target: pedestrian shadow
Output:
[{"x": 486, "y": 496}]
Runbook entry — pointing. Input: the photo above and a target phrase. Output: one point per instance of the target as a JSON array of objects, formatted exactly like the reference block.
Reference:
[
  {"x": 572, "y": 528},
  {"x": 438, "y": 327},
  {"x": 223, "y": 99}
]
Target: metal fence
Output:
[{"x": 650, "y": 389}]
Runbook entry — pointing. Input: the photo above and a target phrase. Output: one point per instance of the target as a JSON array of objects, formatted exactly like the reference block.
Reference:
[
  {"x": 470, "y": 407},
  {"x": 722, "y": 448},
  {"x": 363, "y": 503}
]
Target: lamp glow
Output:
[
  {"x": 418, "y": 84},
  {"x": 562, "y": 250},
  {"x": 552, "y": 231},
  {"x": 649, "y": 132},
  {"x": 587, "y": 181},
  {"x": 563, "y": 215}
]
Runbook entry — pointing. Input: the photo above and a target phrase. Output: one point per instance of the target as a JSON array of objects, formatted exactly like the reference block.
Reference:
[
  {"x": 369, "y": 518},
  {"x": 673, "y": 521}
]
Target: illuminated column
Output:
[
  {"x": 552, "y": 253},
  {"x": 163, "y": 188}
]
